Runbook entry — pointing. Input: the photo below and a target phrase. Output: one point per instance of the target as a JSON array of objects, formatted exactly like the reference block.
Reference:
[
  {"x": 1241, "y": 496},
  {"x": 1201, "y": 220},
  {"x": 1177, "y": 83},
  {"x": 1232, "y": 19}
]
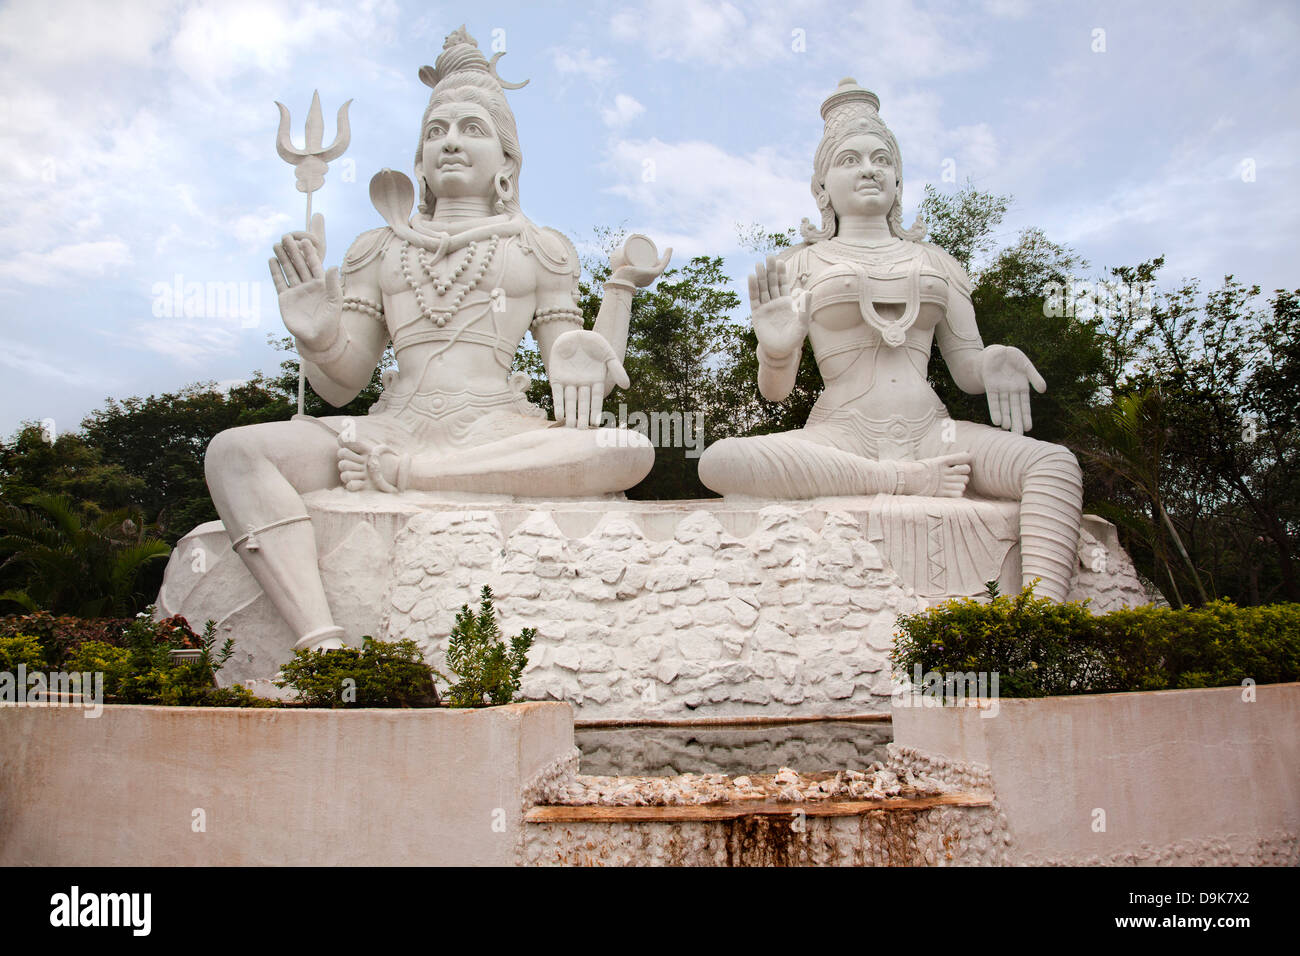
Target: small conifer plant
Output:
[{"x": 488, "y": 673}]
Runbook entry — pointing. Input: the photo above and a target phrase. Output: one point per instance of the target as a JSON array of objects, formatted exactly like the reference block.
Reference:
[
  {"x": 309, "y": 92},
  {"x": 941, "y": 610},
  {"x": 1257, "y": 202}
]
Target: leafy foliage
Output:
[
  {"x": 487, "y": 673},
  {"x": 139, "y": 669},
  {"x": 66, "y": 562},
  {"x": 377, "y": 674},
  {"x": 1040, "y": 648},
  {"x": 59, "y": 636},
  {"x": 24, "y": 649}
]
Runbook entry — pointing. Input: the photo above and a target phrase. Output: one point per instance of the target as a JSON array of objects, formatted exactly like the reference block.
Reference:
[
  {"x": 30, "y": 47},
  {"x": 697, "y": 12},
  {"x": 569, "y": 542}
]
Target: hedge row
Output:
[{"x": 1039, "y": 648}]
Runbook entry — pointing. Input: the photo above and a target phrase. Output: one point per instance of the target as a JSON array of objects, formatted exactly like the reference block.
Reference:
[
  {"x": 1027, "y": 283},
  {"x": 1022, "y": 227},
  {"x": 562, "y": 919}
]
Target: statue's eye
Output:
[
  {"x": 475, "y": 128},
  {"x": 437, "y": 129},
  {"x": 849, "y": 160}
]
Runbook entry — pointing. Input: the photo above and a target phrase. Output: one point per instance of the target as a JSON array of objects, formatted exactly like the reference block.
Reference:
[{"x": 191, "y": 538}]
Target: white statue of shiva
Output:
[
  {"x": 454, "y": 288},
  {"x": 872, "y": 297}
]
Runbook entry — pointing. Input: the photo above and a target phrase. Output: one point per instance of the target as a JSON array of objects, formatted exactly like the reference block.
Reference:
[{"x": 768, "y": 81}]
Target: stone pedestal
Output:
[{"x": 644, "y": 609}]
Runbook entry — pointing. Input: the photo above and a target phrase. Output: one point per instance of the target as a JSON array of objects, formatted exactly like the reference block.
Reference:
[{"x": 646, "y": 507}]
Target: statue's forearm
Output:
[
  {"x": 776, "y": 376},
  {"x": 615, "y": 314},
  {"x": 348, "y": 362}
]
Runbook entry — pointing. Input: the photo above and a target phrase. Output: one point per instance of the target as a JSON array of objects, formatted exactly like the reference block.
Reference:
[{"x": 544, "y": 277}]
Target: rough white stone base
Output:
[{"x": 643, "y": 609}]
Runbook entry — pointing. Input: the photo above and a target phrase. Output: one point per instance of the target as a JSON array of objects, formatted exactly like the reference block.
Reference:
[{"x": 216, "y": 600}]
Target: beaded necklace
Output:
[{"x": 427, "y": 260}]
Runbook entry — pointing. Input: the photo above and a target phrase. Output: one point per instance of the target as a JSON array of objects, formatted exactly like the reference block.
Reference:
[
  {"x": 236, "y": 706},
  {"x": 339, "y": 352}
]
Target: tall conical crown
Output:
[
  {"x": 848, "y": 104},
  {"x": 460, "y": 54}
]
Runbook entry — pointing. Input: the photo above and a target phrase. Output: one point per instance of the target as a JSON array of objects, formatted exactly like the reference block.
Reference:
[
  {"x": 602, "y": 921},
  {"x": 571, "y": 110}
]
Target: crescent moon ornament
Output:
[{"x": 492, "y": 68}]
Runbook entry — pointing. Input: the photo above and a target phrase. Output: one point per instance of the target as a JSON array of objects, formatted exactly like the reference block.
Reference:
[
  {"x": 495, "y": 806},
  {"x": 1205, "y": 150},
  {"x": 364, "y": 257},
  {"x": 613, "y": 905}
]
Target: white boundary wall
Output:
[
  {"x": 1199, "y": 777},
  {"x": 292, "y": 787}
]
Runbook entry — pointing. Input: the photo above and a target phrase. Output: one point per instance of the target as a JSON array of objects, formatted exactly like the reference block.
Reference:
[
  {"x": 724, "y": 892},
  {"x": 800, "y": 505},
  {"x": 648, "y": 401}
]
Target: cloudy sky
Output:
[{"x": 137, "y": 143}]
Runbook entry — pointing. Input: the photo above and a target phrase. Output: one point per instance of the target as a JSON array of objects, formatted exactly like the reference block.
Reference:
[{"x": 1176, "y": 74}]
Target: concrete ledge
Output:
[
  {"x": 754, "y": 808},
  {"x": 277, "y": 787},
  {"x": 1181, "y": 776}
]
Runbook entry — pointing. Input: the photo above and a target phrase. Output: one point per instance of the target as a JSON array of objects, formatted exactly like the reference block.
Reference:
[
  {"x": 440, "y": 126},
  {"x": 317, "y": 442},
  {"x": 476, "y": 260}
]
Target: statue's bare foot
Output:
[{"x": 942, "y": 477}]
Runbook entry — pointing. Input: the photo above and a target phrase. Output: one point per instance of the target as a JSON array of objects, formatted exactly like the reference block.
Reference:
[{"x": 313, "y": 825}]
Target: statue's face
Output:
[
  {"x": 861, "y": 179},
  {"x": 462, "y": 153}
]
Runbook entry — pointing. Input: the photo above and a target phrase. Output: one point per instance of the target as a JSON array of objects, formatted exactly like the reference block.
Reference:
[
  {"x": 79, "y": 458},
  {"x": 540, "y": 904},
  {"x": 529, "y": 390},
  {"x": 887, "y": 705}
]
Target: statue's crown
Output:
[
  {"x": 849, "y": 104},
  {"x": 460, "y": 54}
]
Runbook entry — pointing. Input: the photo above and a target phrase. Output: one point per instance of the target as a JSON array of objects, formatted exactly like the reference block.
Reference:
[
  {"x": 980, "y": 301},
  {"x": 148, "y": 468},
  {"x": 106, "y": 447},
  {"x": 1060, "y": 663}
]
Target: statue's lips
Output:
[{"x": 453, "y": 164}]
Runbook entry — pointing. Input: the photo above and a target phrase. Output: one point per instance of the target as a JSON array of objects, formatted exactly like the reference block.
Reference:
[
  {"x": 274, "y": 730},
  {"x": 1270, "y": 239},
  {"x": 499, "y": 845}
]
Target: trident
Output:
[{"x": 310, "y": 165}]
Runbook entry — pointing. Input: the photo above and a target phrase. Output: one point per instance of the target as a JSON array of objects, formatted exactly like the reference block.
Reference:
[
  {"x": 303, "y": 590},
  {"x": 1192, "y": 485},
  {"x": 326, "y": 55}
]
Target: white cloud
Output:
[
  {"x": 693, "y": 194},
  {"x": 684, "y": 30},
  {"x": 583, "y": 63},
  {"x": 215, "y": 42},
  {"x": 898, "y": 39},
  {"x": 624, "y": 110},
  {"x": 74, "y": 261},
  {"x": 259, "y": 231},
  {"x": 188, "y": 342},
  {"x": 24, "y": 358}
]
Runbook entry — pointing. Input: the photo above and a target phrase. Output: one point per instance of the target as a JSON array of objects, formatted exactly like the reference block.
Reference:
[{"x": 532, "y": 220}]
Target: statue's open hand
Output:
[
  {"x": 639, "y": 276},
  {"x": 311, "y": 298},
  {"x": 779, "y": 325},
  {"x": 1008, "y": 374},
  {"x": 583, "y": 368},
  {"x": 362, "y": 464}
]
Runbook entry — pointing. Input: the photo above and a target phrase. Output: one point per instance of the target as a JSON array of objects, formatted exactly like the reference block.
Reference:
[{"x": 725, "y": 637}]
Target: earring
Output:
[{"x": 505, "y": 191}]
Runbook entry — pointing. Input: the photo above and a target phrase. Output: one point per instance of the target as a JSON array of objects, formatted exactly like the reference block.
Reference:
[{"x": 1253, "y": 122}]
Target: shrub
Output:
[
  {"x": 378, "y": 674},
  {"x": 21, "y": 649},
  {"x": 487, "y": 672},
  {"x": 60, "y": 635},
  {"x": 1039, "y": 648},
  {"x": 138, "y": 669},
  {"x": 100, "y": 657}
]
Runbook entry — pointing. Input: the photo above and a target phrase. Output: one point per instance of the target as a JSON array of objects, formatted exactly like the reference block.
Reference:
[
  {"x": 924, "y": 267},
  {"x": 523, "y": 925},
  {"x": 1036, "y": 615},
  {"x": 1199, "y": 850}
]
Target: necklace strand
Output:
[{"x": 439, "y": 317}]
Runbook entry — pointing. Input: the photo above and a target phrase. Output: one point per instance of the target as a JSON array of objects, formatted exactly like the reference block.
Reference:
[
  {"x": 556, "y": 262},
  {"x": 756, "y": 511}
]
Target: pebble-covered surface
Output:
[{"x": 876, "y": 783}]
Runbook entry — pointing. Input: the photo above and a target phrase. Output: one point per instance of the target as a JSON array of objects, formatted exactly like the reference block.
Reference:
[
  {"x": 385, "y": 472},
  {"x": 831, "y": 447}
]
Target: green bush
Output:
[
  {"x": 140, "y": 669},
  {"x": 378, "y": 674},
  {"x": 60, "y": 635},
  {"x": 1039, "y": 648},
  {"x": 24, "y": 649},
  {"x": 487, "y": 672},
  {"x": 100, "y": 657}
]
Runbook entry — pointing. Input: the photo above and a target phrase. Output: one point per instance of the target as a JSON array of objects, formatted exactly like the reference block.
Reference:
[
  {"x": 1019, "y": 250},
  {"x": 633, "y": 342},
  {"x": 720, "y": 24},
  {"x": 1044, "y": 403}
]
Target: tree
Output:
[
  {"x": 962, "y": 224},
  {"x": 160, "y": 440},
  {"x": 680, "y": 337},
  {"x": 31, "y": 465},
  {"x": 68, "y": 564}
]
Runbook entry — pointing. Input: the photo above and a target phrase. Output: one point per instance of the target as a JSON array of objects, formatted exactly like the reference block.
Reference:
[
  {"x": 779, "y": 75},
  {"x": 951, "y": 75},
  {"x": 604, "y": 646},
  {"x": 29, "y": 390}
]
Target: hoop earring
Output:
[{"x": 505, "y": 191}]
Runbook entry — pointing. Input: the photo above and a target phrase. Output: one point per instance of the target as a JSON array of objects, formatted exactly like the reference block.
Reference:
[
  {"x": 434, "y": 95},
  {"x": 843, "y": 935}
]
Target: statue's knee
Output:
[
  {"x": 230, "y": 451},
  {"x": 1058, "y": 462},
  {"x": 719, "y": 463},
  {"x": 638, "y": 455}
]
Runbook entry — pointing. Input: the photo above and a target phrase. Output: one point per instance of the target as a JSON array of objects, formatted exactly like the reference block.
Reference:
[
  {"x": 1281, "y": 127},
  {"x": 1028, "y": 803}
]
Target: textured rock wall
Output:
[
  {"x": 643, "y": 609},
  {"x": 702, "y": 623}
]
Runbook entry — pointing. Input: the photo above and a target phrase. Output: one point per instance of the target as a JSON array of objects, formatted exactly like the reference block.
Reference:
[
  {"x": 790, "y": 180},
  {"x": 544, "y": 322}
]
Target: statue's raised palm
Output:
[
  {"x": 311, "y": 298},
  {"x": 778, "y": 323}
]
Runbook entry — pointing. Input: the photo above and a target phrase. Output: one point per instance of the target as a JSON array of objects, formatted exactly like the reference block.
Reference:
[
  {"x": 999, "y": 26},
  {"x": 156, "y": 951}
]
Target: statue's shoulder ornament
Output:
[
  {"x": 944, "y": 262},
  {"x": 366, "y": 249},
  {"x": 795, "y": 258},
  {"x": 552, "y": 248}
]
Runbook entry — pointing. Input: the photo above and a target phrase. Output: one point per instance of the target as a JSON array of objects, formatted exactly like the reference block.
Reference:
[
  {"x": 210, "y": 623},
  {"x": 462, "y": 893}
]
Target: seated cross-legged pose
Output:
[
  {"x": 871, "y": 297},
  {"x": 454, "y": 289}
]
